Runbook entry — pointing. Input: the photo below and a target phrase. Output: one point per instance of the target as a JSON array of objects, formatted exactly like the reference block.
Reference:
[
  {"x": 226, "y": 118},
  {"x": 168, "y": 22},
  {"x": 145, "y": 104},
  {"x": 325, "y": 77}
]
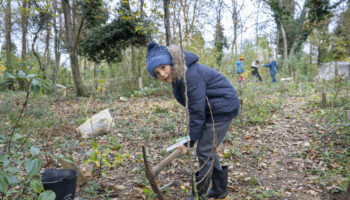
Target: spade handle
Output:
[{"x": 156, "y": 169}]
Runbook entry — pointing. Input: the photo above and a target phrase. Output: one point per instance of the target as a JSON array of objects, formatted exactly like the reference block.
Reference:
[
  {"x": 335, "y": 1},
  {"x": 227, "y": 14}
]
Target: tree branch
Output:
[{"x": 81, "y": 23}]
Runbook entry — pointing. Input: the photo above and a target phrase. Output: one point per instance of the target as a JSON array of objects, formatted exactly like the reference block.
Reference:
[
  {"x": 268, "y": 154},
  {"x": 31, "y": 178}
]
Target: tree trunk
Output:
[
  {"x": 74, "y": 16},
  {"x": 277, "y": 44},
  {"x": 257, "y": 29},
  {"x": 8, "y": 30},
  {"x": 189, "y": 23},
  {"x": 74, "y": 62},
  {"x": 133, "y": 57},
  {"x": 56, "y": 41},
  {"x": 36, "y": 35},
  {"x": 72, "y": 48},
  {"x": 235, "y": 25},
  {"x": 174, "y": 24},
  {"x": 310, "y": 53},
  {"x": 336, "y": 71},
  {"x": 285, "y": 48},
  {"x": 324, "y": 100},
  {"x": 95, "y": 76},
  {"x": 142, "y": 2},
  {"x": 167, "y": 22},
  {"x": 184, "y": 8},
  {"x": 299, "y": 35},
  {"x": 47, "y": 47},
  {"x": 24, "y": 24}
]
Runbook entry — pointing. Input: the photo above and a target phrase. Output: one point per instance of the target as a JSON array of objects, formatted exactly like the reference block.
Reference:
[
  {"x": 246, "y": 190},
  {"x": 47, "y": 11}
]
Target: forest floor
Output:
[
  {"x": 271, "y": 161},
  {"x": 285, "y": 146},
  {"x": 272, "y": 165}
]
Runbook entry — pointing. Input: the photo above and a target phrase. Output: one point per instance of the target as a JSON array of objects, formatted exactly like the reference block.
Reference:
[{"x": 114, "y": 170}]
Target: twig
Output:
[
  {"x": 25, "y": 141},
  {"x": 25, "y": 188},
  {"x": 8, "y": 146}
]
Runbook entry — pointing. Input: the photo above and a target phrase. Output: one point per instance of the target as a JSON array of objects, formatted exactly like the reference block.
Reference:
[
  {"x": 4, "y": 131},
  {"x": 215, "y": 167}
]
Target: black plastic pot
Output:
[{"x": 63, "y": 182}]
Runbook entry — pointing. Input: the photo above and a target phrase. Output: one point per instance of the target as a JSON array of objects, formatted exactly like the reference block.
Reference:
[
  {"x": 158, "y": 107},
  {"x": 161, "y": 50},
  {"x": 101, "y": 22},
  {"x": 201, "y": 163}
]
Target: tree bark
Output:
[
  {"x": 56, "y": 40},
  {"x": 285, "y": 48},
  {"x": 185, "y": 7},
  {"x": 47, "y": 47},
  {"x": 8, "y": 30},
  {"x": 257, "y": 28},
  {"x": 167, "y": 22},
  {"x": 189, "y": 23},
  {"x": 36, "y": 35},
  {"x": 142, "y": 3},
  {"x": 71, "y": 45},
  {"x": 24, "y": 24},
  {"x": 277, "y": 43},
  {"x": 95, "y": 76},
  {"x": 299, "y": 35},
  {"x": 235, "y": 25}
]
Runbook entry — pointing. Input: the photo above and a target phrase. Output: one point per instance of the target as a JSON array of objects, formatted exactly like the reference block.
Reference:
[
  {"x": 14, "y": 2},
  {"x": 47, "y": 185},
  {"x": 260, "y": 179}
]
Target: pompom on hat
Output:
[{"x": 157, "y": 55}]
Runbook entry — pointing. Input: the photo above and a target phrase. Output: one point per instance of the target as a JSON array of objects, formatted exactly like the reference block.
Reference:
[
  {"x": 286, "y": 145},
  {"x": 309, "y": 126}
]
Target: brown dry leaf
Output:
[
  {"x": 313, "y": 193},
  {"x": 138, "y": 190},
  {"x": 258, "y": 128},
  {"x": 120, "y": 187},
  {"x": 335, "y": 165}
]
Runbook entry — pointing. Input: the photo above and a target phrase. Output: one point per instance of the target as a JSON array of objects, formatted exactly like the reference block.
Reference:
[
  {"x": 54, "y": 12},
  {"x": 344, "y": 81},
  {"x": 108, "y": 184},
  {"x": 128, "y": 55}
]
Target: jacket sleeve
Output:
[
  {"x": 267, "y": 65},
  {"x": 196, "y": 108},
  {"x": 176, "y": 92}
]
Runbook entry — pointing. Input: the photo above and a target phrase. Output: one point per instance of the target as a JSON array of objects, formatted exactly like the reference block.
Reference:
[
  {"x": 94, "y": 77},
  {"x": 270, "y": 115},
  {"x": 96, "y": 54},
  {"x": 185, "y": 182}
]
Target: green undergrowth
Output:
[
  {"x": 332, "y": 133},
  {"x": 50, "y": 121}
]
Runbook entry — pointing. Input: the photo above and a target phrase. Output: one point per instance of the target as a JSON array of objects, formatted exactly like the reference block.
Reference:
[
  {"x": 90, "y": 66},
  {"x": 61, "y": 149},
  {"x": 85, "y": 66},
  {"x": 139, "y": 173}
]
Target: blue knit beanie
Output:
[{"x": 157, "y": 55}]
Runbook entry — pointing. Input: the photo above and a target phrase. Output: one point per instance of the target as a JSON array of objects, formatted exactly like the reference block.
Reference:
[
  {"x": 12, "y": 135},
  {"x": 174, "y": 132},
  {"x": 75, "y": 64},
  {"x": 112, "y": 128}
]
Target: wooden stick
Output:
[
  {"x": 150, "y": 176},
  {"x": 347, "y": 194},
  {"x": 156, "y": 169},
  {"x": 324, "y": 100}
]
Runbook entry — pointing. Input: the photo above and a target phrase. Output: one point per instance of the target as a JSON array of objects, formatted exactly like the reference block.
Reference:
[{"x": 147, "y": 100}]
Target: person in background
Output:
[
  {"x": 255, "y": 72},
  {"x": 205, "y": 87},
  {"x": 273, "y": 69},
  {"x": 240, "y": 70}
]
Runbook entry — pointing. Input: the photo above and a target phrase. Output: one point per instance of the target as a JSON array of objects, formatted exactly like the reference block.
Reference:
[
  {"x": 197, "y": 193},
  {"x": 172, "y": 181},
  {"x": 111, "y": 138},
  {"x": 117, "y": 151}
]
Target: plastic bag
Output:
[{"x": 100, "y": 123}]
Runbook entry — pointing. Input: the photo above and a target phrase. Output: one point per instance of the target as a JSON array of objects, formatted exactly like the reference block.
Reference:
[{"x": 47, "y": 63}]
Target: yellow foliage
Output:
[{"x": 2, "y": 68}]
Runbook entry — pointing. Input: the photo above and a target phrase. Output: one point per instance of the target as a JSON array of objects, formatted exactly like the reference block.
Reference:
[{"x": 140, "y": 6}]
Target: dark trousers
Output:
[
  {"x": 255, "y": 73},
  {"x": 206, "y": 143}
]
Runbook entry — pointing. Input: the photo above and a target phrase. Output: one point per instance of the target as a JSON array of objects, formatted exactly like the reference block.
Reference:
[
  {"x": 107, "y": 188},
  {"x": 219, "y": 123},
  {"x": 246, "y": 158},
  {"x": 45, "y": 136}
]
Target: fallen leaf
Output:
[{"x": 120, "y": 187}]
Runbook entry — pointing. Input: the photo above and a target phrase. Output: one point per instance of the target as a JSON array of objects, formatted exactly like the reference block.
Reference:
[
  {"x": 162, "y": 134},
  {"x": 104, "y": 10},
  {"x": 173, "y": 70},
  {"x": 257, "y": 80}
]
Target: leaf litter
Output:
[{"x": 265, "y": 161}]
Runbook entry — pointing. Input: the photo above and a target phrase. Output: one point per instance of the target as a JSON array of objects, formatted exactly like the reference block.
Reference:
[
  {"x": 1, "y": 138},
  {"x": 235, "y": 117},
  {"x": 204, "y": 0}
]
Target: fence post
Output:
[{"x": 324, "y": 100}]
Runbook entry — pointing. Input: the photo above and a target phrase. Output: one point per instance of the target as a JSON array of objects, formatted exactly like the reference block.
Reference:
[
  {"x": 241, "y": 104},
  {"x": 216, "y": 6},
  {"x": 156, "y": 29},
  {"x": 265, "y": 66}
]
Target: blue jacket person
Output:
[{"x": 273, "y": 69}]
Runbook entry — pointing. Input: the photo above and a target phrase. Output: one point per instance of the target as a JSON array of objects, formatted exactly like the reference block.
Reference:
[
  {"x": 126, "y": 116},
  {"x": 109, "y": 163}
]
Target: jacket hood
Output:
[{"x": 181, "y": 61}]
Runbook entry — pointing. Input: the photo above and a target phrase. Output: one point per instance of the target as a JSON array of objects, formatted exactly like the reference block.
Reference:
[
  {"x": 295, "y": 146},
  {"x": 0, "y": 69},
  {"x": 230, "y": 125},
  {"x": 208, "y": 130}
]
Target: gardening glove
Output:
[{"x": 191, "y": 143}]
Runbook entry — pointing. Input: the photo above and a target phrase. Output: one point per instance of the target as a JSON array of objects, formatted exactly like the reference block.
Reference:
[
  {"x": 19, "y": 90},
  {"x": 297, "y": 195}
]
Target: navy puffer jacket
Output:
[
  {"x": 202, "y": 82},
  {"x": 273, "y": 67}
]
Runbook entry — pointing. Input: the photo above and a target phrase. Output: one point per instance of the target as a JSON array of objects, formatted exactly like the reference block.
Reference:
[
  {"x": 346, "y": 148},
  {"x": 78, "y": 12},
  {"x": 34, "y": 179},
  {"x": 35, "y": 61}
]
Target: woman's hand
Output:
[{"x": 183, "y": 148}]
